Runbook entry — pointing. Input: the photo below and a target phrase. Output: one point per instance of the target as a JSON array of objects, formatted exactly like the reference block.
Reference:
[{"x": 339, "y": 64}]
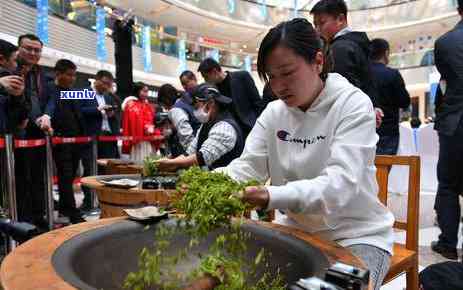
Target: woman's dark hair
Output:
[
  {"x": 137, "y": 87},
  {"x": 7, "y": 48},
  {"x": 298, "y": 35},
  {"x": 378, "y": 48},
  {"x": 167, "y": 95}
]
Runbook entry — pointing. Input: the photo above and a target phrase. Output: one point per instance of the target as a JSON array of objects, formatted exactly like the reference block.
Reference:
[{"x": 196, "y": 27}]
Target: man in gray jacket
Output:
[{"x": 449, "y": 61}]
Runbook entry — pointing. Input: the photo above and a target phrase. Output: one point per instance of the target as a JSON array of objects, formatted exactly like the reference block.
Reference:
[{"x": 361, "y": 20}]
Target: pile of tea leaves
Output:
[
  {"x": 208, "y": 203},
  {"x": 150, "y": 167}
]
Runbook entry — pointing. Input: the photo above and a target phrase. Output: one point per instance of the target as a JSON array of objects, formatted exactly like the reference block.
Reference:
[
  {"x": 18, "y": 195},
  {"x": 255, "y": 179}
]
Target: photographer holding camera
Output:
[{"x": 13, "y": 111}]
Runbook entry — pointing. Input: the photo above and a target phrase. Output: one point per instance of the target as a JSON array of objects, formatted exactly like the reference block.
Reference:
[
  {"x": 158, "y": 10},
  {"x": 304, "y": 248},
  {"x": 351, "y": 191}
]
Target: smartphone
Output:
[{"x": 20, "y": 68}]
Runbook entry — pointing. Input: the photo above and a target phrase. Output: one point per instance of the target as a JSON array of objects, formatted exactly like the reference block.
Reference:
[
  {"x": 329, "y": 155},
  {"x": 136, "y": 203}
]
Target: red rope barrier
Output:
[
  {"x": 71, "y": 140},
  {"x": 78, "y": 140},
  {"x": 114, "y": 138},
  {"x": 130, "y": 138},
  {"x": 29, "y": 143}
]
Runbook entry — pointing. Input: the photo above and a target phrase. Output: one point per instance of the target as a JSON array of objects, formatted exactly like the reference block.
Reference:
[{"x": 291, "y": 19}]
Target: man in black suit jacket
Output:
[
  {"x": 67, "y": 121},
  {"x": 449, "y": 62},
  {"x": 30, "y": 183},
  {"x": 393, "y": 96},
  {"x": 240, "y": 87},
  {"x": 101, "y": 117},
  {"x": 347, "y": 51},
  {"x": 102, "y": 114}
]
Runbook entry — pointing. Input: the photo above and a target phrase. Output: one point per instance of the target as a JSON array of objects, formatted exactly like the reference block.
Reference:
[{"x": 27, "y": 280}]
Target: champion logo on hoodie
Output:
[{"x": 285, "y": 136}]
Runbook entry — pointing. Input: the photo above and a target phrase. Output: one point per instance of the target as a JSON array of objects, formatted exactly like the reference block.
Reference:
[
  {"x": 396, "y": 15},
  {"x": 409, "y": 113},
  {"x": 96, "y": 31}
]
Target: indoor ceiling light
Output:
[
  {"x": 71, "y": 15},
  {"x": 79, "y": 4}
]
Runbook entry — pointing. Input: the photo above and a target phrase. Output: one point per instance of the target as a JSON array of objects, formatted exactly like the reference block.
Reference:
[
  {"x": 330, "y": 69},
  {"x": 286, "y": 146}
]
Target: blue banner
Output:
[
  {"x": 101, "y": 53},
  {"x": 248, "y": 63},
  {"x": 296, "y": 3},
  {"x": 42, "y": 20},
  {"x": 231, "y": 6},
  {"x": 263, "y": 8},
  {"x": 182, "y": 56},
  {"x": 146, "y": 45}
]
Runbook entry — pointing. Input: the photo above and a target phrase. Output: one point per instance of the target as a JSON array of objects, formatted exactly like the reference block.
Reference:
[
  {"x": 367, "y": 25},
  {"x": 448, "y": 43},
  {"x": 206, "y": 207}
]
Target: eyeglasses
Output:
[{"x": 31, "y": 50}]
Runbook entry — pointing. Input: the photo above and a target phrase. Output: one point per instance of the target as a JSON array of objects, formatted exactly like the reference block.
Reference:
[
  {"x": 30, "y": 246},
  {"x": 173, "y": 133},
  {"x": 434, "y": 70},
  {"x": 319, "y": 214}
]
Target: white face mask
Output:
[{"x": 201, "y": 115}]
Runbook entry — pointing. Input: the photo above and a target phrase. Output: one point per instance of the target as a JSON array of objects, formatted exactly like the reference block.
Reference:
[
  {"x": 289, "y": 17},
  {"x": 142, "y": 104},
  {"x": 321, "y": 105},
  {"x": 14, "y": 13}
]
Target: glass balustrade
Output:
[{"x": 165, "y": 40}]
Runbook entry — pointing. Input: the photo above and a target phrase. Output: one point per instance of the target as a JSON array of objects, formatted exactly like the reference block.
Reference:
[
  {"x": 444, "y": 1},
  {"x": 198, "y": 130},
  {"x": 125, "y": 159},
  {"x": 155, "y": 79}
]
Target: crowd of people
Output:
[{"x": 314, "y": 132}]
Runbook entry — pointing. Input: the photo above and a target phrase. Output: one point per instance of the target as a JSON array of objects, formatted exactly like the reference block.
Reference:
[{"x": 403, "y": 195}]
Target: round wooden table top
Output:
[
  {"x": 119, "y": 166},
  {"x": 124, "y": 196},
  {"x": 29, "y": 267}
]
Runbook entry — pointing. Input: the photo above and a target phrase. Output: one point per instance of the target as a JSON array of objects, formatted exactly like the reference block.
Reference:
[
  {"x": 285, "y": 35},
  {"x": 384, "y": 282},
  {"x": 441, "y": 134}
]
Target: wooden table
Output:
[
  {"x": 117, "y": 166},
  {"x": 113, "y": 200},
  {"x": 29, "y": 267}
]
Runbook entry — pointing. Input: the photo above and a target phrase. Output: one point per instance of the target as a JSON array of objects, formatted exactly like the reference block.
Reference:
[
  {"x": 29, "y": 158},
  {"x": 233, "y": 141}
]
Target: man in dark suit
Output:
[
  {"x": 101, "y": 117},
  {"x": 347, "y": 50},
  {"x": 29, "y": 162},
  {"x": 393, "y": 96},
  {"x": 238, "y": 86},
  {"x": 449, "y": 62},
  {"x": 67, "y": 121}
]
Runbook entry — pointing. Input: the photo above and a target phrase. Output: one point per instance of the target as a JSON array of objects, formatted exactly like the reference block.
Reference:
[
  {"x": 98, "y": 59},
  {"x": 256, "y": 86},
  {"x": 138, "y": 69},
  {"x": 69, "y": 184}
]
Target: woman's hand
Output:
[
  {"x": 257, "y": 196},
  {"x": 149, "y": 130},
  {"x": 167, "y": 165}
]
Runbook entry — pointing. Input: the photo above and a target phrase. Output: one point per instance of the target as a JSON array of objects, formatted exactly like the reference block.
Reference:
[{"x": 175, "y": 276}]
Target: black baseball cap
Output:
[{"x": 205, "y": 92}]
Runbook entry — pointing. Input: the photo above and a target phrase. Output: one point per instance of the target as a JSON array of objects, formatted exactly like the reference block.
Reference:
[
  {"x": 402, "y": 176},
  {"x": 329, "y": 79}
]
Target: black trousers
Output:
[
  {"x": 450, "y": 178},
  {"x": 387, "y": 145},
  {"x": 108, "y": 150},
  {"x": 87, "y": 163},
  {"x": 30, "y": 169},
  {"x": 67, "y": 158}
]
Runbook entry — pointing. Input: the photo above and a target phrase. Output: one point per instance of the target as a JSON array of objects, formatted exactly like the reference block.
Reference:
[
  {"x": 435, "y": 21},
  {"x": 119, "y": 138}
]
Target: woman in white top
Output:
[{"x": 317, "y": 145}]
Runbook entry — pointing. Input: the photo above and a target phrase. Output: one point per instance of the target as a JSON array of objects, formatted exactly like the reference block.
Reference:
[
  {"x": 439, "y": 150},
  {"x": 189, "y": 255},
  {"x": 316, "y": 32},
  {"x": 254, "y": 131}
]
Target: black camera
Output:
[{"x": 338, "y": 277}]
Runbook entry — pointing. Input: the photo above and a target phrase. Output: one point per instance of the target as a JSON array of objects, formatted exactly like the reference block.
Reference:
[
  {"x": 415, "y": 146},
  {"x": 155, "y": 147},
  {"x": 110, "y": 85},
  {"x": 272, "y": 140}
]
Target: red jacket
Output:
[{"x": 138, "y": 121}]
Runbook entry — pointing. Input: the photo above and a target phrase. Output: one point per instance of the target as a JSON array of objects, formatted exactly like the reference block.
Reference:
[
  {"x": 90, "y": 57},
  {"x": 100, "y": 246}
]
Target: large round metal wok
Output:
[{"x": 99, "y": 255}]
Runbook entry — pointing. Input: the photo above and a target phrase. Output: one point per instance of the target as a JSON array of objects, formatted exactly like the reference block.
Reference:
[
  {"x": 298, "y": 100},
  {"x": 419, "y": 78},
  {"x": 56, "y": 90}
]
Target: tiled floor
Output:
[{"x": 426, "y": 255}]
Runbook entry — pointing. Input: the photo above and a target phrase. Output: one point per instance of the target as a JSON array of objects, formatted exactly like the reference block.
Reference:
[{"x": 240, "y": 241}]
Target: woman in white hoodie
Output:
[{"x": 317, "y": 145}]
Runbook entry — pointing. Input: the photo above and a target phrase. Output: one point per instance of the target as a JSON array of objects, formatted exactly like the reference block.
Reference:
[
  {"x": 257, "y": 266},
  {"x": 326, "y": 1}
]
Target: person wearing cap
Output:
[{"x": 219, "y": 139}]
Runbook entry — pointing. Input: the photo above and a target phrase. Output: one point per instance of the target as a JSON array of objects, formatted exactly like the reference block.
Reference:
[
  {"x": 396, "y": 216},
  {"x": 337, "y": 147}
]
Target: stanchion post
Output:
[
  {"x": 11, "y": 185},
  {"x": 94, "y": 169},
  {"x": 49, "y": 181}
]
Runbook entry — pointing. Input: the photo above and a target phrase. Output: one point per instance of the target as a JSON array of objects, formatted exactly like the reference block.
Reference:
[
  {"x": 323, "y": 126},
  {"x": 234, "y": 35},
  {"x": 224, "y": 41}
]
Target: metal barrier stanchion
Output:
[
  {"x": 49, "y": 181},
  {"x": 11, "y": 185},
  {"x": 94, "y": 171}
]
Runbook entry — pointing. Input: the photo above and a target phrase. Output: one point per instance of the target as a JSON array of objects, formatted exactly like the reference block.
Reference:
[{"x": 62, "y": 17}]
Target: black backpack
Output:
[{"x": 443, "y": 276}]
